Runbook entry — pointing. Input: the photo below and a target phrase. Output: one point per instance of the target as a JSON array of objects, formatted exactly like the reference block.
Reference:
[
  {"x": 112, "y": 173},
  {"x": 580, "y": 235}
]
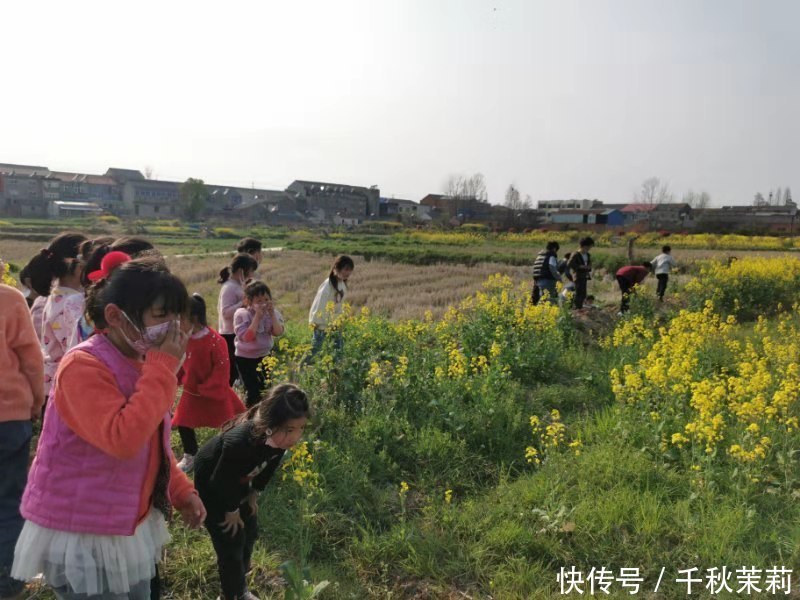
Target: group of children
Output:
[
  {"x": 101, "y": 346},
  {"x": 575, "y": 269}
]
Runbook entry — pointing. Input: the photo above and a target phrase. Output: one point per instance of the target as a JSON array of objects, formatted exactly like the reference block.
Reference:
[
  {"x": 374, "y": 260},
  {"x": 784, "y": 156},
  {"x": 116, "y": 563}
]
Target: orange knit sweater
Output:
[{"x": 21, "y": 360}]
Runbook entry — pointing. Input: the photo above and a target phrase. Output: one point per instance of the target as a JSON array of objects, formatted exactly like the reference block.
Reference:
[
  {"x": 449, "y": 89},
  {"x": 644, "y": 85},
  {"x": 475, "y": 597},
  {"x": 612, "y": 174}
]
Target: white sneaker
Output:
[{"x": 186, "y": 464}]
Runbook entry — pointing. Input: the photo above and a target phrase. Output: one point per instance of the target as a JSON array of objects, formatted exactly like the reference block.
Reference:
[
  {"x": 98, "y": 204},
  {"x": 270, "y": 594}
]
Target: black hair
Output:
[
  {"x": 55, "y": 261},
  {"x": 242, "y": 261},
  {"x": 134, "y": 247},
  {"x": 248, "y": 245},
  {"x": 341, "y": 262},
  {"x": 134, "y": 287},
  {"x": 666, "y": 249},
  {"x": 255, "y": 289},
  {"x": 197, "y": 309},
  {"x": 587, "y": 241},
  {"x": 280, "y": 404},
  {"x": 553, "y": 246},
  {"x": 590, "y": 297},
  {"x": 39, "y": 280},
  {"x": 648, "y": 264},
  {"x": 567, "y": 255}
]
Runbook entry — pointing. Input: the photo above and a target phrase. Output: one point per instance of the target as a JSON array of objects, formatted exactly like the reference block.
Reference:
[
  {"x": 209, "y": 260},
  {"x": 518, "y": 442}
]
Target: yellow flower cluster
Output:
[
  {"x": 629, "y": 332},
  {"x": 5, "y": 270},
  {"x": 717, "y": 385},
  {"x": 549, "y": 438},
  {"x": 300, "y": 468}
]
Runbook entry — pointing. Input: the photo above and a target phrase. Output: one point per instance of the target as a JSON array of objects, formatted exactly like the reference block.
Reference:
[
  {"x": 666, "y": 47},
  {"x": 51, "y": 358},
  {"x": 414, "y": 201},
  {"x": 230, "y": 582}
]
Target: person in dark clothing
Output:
[
  {"x": 545, "y": 274},
  {"x": 580, "y": 263},
  {"x": 234, "y": 466},
  {"x": 628, "y": 278}
]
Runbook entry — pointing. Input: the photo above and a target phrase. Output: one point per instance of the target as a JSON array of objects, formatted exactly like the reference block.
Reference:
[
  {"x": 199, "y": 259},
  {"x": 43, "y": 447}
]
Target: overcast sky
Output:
[{"x": 564, "y": 98}]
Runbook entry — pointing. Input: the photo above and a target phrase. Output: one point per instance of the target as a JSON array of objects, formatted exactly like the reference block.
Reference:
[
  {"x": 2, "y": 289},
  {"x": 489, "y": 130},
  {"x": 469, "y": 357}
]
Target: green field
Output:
[{"x": 428, "y": 477}]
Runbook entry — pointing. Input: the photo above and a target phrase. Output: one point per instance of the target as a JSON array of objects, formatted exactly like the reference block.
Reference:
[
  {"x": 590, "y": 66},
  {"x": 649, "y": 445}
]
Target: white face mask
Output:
[{"x": 150, "y": 337}]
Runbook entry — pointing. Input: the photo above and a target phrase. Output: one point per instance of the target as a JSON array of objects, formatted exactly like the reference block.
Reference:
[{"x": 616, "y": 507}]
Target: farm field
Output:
[{"x": 469, "y": 445}]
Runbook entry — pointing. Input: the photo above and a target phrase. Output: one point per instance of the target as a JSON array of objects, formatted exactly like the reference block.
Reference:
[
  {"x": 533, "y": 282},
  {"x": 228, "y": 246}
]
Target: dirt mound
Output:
[{"x": 592, "y": 324}]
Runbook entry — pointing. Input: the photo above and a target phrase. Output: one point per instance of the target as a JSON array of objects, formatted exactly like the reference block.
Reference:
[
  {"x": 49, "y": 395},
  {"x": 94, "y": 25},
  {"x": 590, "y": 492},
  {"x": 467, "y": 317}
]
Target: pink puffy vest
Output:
[{"x": 72, "y": 485}]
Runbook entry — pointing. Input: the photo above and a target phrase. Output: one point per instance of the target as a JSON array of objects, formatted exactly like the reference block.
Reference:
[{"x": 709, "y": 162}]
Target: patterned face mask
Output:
[{"x": 151, "y": 336}]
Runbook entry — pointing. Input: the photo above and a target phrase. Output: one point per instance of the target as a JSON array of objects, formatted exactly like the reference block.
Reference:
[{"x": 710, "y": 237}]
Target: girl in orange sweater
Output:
[
  {"x": 21, "y": 399},
  {"x": 104, "y": 478}
]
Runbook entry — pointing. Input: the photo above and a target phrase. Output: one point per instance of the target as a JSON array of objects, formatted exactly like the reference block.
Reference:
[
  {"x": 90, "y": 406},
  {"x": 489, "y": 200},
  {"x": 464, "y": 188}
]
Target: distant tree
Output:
[
  {"x": 653, "y": 191},
  {"x": 194, "y": 196},
  {"x": 787, "y": 196},
  {"x": 778, "y": 197},
  {"x": 759, "y": 200},
  {"x": 513, "y": 199},
  {"x": 461, "y": 187},
  {"x": 697, "y": 200}
]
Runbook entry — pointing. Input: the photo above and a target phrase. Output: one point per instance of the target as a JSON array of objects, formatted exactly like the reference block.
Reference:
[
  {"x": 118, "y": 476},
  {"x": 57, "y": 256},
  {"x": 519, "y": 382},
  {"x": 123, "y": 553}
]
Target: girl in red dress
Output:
[{"x": 207, "y": 399}]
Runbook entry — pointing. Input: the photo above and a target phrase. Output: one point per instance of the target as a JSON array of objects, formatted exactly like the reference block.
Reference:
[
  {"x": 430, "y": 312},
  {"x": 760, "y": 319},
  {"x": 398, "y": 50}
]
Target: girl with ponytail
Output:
[
  {"x": 234, "y": 466},
  {"x": 61, "y": 264},
  {"x": 231, "y": 298}
]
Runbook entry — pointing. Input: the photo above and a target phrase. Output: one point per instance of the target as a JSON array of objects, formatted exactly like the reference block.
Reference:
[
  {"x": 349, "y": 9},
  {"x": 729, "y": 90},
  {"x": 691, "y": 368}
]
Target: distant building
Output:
[
  {"x": 638, "y": 213},
  {"x": 584, "y": 204},
  {"x": 270, "y": 207},
  {"x": 223, "y": 198},
  {"x": 101, "y": 190},
  {"x": 671, "y": 216},
  {"x": 151, "y": 199},
  {"x": 594, "y": 216},
  {"x": 64, "y": 209},
  {"x": 334, "y": 202},
  {"x": 462, "y": 210},
  {"x": 123, "y": 175},
  {"x": 747, "y": 219},
  {"x": 25, "y": 190},
  {"x": 404, "y": 210}
]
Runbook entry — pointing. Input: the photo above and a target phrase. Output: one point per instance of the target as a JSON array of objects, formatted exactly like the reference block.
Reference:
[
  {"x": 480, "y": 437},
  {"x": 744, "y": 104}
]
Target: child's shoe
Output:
[{"x": 186, "y": 464}]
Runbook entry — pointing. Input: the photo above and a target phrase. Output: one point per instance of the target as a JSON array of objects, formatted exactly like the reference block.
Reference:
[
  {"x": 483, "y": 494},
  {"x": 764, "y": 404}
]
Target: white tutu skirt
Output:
[{"x": 91, "y": 564}]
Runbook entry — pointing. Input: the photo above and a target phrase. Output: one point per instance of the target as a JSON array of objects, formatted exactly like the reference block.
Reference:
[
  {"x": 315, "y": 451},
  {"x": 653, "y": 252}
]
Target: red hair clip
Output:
[{"x": 110, "y": 262}]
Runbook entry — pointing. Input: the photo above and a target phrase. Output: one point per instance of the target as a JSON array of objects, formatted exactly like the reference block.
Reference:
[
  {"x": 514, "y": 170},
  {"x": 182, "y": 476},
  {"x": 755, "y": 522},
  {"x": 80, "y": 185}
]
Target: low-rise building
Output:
[
  {"x": 584, "y": 204},
  {"x": 25, "y": 190},
  {"x": 101, "y": 190},
  {"x": 152, "y": 199},
  {"x": 66, "y": 209},
  {"x": 333, "y": 202}
]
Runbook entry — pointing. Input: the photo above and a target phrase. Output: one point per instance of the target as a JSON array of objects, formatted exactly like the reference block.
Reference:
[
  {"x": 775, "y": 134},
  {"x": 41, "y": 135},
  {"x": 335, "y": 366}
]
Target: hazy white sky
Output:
[{"x": 564, "y": 98}]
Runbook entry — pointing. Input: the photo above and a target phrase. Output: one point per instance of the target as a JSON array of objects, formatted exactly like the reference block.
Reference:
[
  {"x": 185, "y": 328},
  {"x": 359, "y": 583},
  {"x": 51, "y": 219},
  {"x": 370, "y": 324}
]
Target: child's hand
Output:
[
  {"x": 193, "y": 512},
  {"x": 232, "y": 523},
  {"x": 252, "y": 502},
  {"x": 174, "y": 343}
]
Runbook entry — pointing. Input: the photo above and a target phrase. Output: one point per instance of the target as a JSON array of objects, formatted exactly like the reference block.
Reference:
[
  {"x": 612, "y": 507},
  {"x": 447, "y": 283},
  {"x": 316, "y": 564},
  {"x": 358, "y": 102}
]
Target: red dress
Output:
[{"x": 207, "y": 399}]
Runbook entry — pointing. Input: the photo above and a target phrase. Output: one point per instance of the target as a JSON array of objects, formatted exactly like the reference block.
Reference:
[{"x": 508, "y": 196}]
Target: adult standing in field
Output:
[
  {"x": 231, "y": 298},
  {"x": 328, "y": 303},
  {"x": 580, "y": 263},
  {"x": 662, "y": 266},
  {"x": 628, "y": 278},
  {"x": 545, "y": 274}
]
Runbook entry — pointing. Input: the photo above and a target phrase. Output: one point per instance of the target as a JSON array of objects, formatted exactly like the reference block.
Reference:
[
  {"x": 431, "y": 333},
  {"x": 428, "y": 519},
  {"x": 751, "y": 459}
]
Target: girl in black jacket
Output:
[{"x": 234, "y": 466}]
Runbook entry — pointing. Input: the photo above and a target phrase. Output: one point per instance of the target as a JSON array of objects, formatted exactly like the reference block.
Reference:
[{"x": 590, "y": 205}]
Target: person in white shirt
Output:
[
  {"x": 328, "y": 303},
  {"x": 662, "y": 266}
]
